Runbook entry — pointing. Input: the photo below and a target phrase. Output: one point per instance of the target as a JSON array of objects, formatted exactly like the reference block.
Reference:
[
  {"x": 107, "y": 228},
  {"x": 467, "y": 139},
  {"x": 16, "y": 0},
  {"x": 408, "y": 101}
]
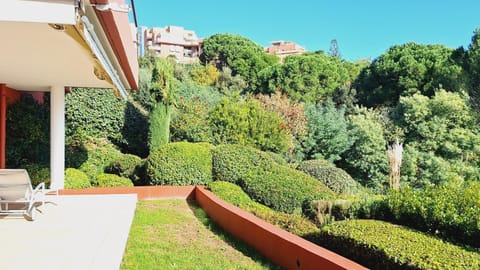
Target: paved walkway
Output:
[{"x": 87, "y": 232}]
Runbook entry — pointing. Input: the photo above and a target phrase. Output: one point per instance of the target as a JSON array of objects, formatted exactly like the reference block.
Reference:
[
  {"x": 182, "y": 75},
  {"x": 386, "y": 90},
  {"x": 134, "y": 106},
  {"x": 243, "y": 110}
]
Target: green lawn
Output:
[{"x": 174, "y": 234}]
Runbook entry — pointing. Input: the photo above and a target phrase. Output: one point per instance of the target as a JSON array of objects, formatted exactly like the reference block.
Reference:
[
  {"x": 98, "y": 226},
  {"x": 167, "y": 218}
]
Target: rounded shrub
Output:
[
  {"x": 112, "y": 180},
  {"x": 335, "y": 178},
  {"x": 278, "y": 187},
  {"x": 128, "y": 166},
  {"x": 75, "y": 179},
  {"x": 180, "y": 163},
  {"x": 232, "y": 163}
]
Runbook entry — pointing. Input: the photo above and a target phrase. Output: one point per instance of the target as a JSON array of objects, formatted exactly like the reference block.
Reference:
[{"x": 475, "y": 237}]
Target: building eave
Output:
[{"x": 116, "y": 26}]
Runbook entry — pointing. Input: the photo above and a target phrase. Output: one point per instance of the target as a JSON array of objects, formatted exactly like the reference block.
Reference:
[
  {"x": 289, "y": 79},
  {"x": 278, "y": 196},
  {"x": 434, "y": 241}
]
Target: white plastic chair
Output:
[{"x": 17, "y": 195}]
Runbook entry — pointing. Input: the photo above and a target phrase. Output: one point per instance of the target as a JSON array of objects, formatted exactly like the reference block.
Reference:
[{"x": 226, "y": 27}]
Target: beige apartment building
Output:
[
  {"x": 174, "y": 41},
  {"x": 283, "y": 49}
]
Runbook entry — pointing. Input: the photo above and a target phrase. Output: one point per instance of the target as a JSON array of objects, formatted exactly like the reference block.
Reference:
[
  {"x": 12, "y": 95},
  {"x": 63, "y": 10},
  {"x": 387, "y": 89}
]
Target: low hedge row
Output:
[
  {"x": 335, "y": 178},
  {"x": 234, "y": 194},
  {"x": 180, "y": 163},
  {"x": 450, "y": 211},
  {"x": 381, "y": 245},
  {"x": 278, "y": 187}
]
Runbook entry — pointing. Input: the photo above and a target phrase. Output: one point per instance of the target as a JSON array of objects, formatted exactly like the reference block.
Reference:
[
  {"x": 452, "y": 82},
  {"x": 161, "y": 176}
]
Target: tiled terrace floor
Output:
[{"x": 72, "y": 232}]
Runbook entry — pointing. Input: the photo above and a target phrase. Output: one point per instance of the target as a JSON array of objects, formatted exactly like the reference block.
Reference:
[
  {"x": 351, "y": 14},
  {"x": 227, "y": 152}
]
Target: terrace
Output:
[{"x": 88, "y": 229}]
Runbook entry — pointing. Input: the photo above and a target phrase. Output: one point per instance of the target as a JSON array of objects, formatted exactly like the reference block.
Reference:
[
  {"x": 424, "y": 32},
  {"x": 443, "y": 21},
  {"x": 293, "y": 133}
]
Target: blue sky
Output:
[{"x": 362, "y": 28}]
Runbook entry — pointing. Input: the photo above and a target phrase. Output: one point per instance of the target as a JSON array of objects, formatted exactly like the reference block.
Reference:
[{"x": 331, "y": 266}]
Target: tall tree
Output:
[
  {"x": 308, "y": 77},
  {"x": 408, "y": 69},
  {"x": 472, "y": 66},
  {"x": 164, "y": 96},
  {"x": 240, "y": 54}
]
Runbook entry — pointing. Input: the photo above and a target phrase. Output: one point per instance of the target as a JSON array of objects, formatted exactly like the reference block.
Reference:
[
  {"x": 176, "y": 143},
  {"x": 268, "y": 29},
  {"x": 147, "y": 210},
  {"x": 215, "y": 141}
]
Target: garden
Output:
[{"x": 303, "y": 144}]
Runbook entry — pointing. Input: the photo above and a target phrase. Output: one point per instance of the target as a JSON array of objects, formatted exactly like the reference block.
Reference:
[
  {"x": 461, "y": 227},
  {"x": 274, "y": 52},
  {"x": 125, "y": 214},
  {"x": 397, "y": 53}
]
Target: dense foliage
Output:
[
  {"x": 180, "y": 164},
  {"x": 279, "y": 187},
  {"x": 94, "y": 112},
  {"x": 99, "y": 113},
  {"x": 381, "y": 245},
  {"x": 441, "y": 136},
  {"x": 28, "y": 125},
  {"x": 246, "y": 122}
]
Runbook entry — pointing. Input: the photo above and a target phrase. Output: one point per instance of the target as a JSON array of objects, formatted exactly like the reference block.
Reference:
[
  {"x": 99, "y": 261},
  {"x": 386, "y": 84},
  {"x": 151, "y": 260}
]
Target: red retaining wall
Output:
[{"x": 281, "y": 247}]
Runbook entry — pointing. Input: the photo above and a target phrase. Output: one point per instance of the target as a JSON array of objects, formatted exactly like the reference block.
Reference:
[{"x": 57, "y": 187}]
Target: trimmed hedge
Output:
[
  {"x": 335, "y": 178},
  {"x": 112, "y": 180},
  {"x": 180, "y": 163},
  {"x": 234, "y": 194},
  {"x": 381, "y": 245},
  {"x": 450, "y": 211},
  {"x": 278, "y": 187},
  {"x": 129, "y": 166},
  {"x": 75, "y": 179}
]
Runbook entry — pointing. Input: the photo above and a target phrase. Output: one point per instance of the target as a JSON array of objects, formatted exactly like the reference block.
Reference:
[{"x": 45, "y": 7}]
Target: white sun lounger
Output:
[{"x": 17, "y": 195}]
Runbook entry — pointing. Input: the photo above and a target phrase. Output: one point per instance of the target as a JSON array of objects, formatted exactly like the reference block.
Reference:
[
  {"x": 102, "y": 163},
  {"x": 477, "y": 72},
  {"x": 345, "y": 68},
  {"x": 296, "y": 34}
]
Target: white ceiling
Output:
[{"x": 34, "y": 57}]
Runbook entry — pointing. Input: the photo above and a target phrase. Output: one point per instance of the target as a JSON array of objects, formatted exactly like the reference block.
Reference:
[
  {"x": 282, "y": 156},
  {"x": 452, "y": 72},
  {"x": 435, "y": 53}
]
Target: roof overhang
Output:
[{"x": 64, "y": 42}]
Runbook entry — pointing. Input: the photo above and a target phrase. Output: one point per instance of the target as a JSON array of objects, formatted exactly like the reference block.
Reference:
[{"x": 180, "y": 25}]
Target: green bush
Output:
[
  {"x": 450, "y": 211},
  {"x": 180, "y": 163},
  {"x": 190, "y": 122},
  {"x": 75, "y": 179},
  {"x": 236, "y": 121},
  {"x": 381, "y": 245},
  {"x": 232, "y": 163},
  {"x": 38, "y": 174},
  {"x": 234, "y": 194},
  {"x": 335, "y": 178},
  {"x": 276, "y": 186},
  {"x": 112, "y": 180},
  {"x": 129, "y": 166},
  {"x": 92, "y": 157}
]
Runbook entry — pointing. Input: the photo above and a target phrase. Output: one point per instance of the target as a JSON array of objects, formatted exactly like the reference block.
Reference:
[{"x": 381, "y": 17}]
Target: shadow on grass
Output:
[{"x": 237, "y": 244}]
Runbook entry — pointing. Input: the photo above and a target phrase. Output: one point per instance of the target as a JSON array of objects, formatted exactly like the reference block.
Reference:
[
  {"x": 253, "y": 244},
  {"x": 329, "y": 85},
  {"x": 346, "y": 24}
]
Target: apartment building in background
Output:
[
  {"x": 167, "y": 41},
  {"x": 283, "y": 49}
]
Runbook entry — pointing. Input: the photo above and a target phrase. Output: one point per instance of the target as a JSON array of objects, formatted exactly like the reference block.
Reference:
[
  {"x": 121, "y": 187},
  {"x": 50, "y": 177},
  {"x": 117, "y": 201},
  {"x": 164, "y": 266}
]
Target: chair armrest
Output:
[{"x": 40, "y": 188}]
